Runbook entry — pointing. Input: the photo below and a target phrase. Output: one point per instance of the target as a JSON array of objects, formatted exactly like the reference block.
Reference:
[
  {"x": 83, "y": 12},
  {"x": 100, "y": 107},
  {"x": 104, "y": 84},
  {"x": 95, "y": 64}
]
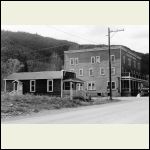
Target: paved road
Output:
[{"x": 134, "y": 110}]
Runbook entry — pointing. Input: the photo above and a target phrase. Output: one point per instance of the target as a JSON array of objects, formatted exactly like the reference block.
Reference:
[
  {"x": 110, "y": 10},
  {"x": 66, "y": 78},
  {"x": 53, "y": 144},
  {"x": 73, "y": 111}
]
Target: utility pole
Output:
[{"x": 110, "y": 83}]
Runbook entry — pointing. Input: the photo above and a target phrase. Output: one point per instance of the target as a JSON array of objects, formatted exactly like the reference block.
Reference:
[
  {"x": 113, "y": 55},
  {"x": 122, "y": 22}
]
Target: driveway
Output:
[{"x": 128, "y": 110}]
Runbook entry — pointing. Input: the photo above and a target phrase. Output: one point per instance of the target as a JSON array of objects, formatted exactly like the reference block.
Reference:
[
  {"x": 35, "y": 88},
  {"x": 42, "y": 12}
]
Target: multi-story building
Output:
[{"x": 92, "y": 66}]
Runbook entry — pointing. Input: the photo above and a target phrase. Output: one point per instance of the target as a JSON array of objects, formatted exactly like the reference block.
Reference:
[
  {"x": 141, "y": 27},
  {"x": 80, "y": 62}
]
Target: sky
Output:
[{"x": 136, "y": 37}]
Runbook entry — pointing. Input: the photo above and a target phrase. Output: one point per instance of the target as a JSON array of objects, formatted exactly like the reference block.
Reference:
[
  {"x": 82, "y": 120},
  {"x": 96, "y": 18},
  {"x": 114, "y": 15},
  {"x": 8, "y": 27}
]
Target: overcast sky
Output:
[{"x": 134, "y": 37}]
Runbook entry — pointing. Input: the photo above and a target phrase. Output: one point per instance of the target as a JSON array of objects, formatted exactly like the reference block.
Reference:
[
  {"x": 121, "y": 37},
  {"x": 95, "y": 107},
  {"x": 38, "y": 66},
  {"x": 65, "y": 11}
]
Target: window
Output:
[
  {"x": 134, "y": 64},
  {"x": 124, "y": 59},
  {"x": 92, "y": 59},
  {"x": 113, "y": 85},
  {"x": 91, "y": 86},
  {"x": 32, "y": 85},
  {"x": 90, "y": 72},
  {"x": 129, "y": 61},
  {"x": 113, "y": 71},
  {"x": 76, "y": 61},
  {"x": 80, "y": 72},
  {"x": 112, "y": 58},
  {"x": 139, "y": 66},
  {"x": 71, "y": 61},
  {"x": 97, "y": 59},
  {"x": 102, "y": 71},
  {"x": 80, "y": 86},
  {"x": 66, "y": 85},
  {"x": 71, "y": 70},
  {"x": 49, "y": 85}
]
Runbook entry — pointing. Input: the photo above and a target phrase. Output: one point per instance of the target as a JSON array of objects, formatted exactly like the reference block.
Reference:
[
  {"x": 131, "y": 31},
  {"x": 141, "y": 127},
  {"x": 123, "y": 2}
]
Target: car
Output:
[{"x": 145, "y": 92}]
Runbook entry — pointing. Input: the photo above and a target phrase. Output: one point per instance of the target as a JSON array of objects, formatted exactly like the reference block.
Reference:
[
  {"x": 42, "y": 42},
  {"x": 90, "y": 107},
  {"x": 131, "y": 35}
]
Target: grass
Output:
[{"x": 14, "y": 105}]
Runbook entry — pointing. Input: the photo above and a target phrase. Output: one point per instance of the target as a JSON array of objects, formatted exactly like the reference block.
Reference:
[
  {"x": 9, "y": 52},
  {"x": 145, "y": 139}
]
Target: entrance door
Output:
[{"x": 15, "y": 87}]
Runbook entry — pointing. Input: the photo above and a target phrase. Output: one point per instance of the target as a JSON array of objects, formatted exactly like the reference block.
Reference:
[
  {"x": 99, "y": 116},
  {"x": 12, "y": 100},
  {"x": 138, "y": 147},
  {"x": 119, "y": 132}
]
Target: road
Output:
[{"x": 134, "y": 110}]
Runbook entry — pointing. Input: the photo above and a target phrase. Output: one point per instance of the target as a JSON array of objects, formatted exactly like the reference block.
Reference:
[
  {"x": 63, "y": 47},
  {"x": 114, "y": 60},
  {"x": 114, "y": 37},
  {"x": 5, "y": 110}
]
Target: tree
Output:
[{"x": 8, "y": 67}]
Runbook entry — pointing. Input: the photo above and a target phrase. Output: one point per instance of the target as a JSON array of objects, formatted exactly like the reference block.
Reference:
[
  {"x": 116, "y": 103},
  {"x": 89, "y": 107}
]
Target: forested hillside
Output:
[{"x": 23, "y": 52}]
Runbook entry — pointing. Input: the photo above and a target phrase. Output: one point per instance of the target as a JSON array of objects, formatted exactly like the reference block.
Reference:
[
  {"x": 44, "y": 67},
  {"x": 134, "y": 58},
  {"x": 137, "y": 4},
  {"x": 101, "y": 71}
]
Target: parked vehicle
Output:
[{"x": 145, "y": 92}]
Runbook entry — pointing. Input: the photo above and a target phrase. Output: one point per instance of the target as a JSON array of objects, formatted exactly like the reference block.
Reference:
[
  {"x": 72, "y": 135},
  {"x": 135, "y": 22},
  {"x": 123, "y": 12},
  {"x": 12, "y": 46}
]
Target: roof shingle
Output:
[{"x": 35, "y": 75}]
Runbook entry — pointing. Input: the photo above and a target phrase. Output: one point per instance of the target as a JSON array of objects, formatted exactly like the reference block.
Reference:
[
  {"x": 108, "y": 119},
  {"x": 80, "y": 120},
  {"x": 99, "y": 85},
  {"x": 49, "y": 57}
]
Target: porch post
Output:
[
  {"x": 129, "y": 84},
  {"x": 5, "y": 86},
  {"x": 61, "y": 88},
  {"x": 71, "y": 92}
]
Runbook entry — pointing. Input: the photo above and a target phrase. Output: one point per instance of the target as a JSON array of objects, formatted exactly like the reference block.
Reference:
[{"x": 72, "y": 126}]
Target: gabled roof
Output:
[{"x": 35, "y": 75}]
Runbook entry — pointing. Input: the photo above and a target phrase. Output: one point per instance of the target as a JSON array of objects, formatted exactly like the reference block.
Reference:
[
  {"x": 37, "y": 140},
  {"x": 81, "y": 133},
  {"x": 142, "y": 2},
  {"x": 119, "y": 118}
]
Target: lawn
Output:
[{"x": 14, "y": 105}]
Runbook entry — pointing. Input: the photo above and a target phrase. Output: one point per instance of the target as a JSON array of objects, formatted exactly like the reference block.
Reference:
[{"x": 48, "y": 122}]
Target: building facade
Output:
[
  {"x": 92, "y": 66},
  {"x": 53, "y": 83}
]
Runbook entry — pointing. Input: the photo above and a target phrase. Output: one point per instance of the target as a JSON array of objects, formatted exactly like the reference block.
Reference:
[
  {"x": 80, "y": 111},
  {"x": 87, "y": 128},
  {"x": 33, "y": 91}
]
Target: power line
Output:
[{"x": 74, "y": 35}]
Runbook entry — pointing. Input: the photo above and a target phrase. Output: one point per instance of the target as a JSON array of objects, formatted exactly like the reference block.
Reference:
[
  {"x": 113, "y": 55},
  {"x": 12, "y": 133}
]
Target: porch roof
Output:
[{"x": 75, "y": 80}]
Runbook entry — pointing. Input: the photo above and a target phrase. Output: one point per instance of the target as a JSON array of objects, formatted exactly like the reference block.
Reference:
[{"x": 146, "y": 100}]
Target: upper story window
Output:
[
  {"x": 71, "y": 70},
  {"x": 112, "y": 58},
  {"x": 92, "y": 60},
  {"x": 49, "y": 85},
  {"x": 139, "y": 66},
  {"x": 76, "y": 61},
  {"x": 113, "y": 71},
  {"x": 97, "y": 59},
  {"x": 129, "y": 61},
  {"x": 71, "y": 61},
  {"x": 124, "y": 59},
  {"x": 134, "y": 64},
  {"x": 102, "y": 71},
  {"x": 91, "y": 72},
  {"x": 80, "y": 72},
  {"x": 32, "y": 85}
]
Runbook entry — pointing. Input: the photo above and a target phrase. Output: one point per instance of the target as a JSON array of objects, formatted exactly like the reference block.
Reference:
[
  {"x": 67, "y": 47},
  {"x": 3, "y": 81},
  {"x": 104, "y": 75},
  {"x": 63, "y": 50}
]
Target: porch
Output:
[
  {"x": 73, "y": 88},
  {"x": 131, "y": 84}
]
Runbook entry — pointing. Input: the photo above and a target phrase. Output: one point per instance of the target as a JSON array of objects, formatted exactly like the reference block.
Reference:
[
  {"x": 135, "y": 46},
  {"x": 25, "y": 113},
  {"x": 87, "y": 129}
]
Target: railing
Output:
[
  {"x": 75, "y": 93},
  {"x": 134, "y": 75}
]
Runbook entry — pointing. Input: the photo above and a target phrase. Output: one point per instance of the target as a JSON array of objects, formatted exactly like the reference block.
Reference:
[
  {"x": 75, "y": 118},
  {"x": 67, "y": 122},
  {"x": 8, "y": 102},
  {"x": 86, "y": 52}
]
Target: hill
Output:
[{"x": 23, "y": 52}]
